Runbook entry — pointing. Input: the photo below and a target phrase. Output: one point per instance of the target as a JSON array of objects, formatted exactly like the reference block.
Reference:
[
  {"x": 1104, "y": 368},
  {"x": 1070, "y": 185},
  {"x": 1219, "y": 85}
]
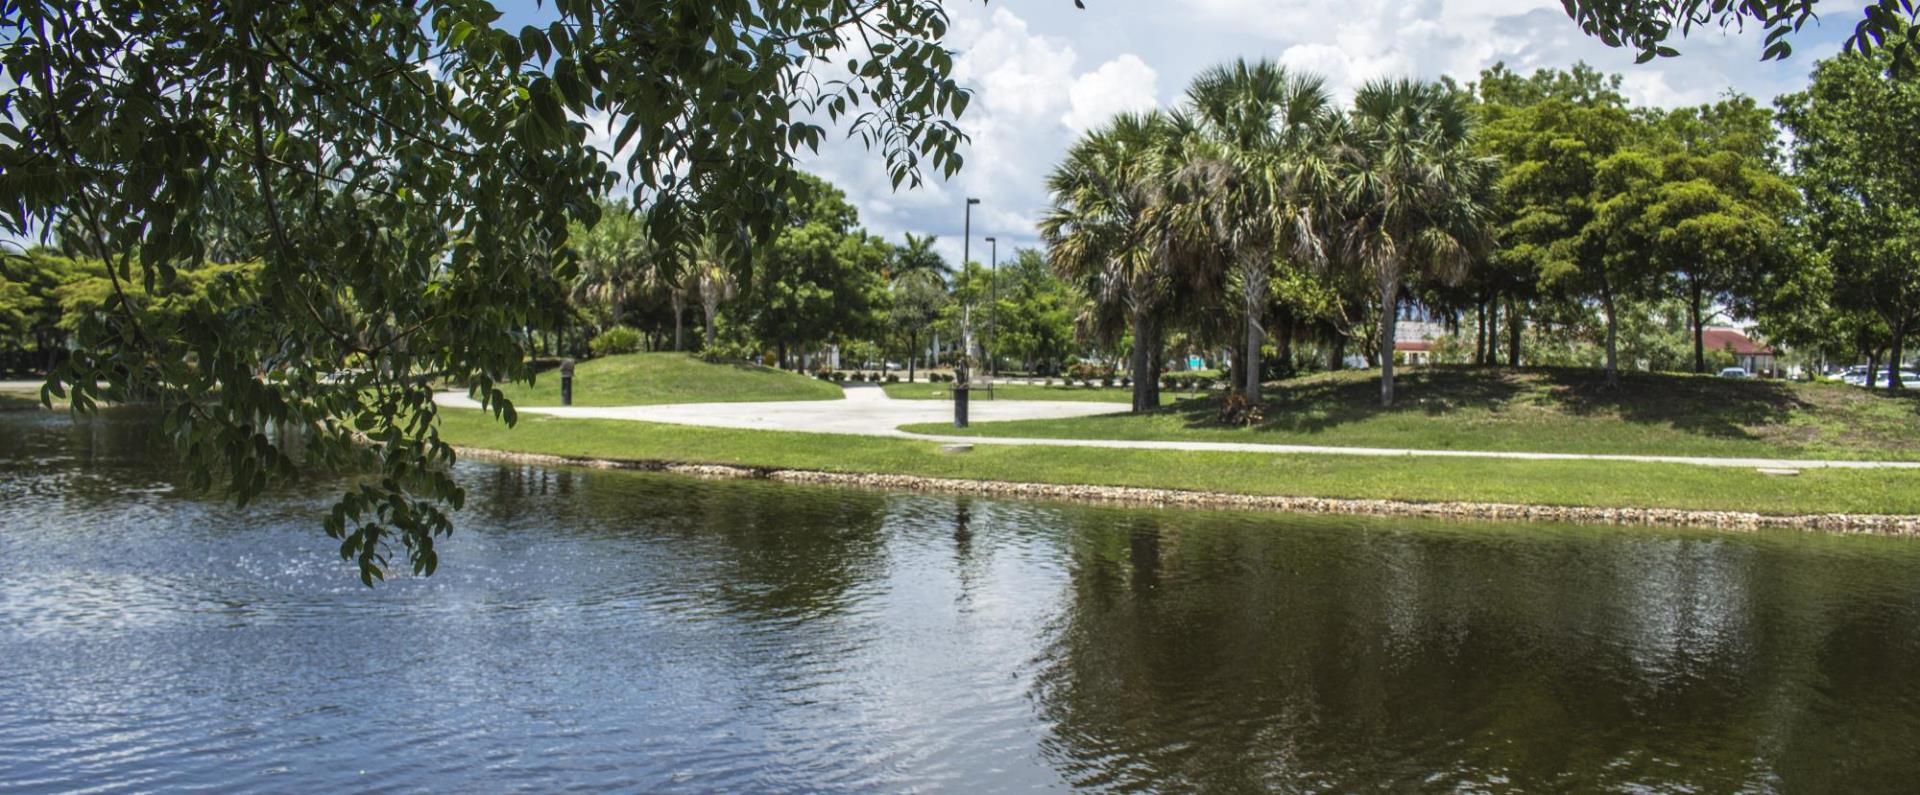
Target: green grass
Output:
[
  {"x": 1537, "y": 410},
  {"x": 638, "y": 379},
  {"x": 1567, "y": 483},
  {"x": 1028, "y": 392}
]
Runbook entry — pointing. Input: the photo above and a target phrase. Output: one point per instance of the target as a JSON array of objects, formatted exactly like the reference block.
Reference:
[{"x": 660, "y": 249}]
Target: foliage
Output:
[
  {"x": 616, "y": 340},
  {"x": 1648, "y": 26},
  {"x": 1415, "y": 195},
  {"x": 406, "y": 174},
  {"x": 1852, "y": 158}
]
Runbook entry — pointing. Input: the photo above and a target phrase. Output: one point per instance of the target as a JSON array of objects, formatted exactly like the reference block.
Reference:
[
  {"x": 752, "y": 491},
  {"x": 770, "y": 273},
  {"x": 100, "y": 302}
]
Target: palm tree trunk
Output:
[
  {"x": 1389, "y": 306},
  {"x": 712, "y": 308},
  {"x": 679, "y": 312},
  {"x": 1256, "y": 290},
  {"x": 1142, "y": 364}
]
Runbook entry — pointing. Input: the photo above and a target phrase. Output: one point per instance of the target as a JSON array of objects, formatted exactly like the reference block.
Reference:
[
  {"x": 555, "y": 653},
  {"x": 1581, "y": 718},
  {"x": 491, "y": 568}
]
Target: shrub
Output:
[
  {"x": 1236, "y": 409},
  {"x": 1126, "y": 381},
  {"x": 893, "y": 378},
  {"x": 1106, "y": 380},
  {"x": 1169, "y": 382},
  {"x": 839, "y": 377},
  {"x": 619, "y": 339},
  {"x": 1203, "y": 383}
]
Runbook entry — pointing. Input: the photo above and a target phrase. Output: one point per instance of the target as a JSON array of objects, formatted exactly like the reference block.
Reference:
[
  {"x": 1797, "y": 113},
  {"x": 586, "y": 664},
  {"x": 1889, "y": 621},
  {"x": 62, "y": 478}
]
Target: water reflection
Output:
[{"x": 616, "y": 630}]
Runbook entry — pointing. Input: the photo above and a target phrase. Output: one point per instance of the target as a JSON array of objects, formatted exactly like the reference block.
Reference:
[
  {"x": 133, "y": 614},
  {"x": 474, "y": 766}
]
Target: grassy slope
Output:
[
  {"x": 1544, "y": 411},
  {"x": 1027, "y": 392},
  {"x": 1424, "y": 479},
  {"x": 653, "y": 378}
]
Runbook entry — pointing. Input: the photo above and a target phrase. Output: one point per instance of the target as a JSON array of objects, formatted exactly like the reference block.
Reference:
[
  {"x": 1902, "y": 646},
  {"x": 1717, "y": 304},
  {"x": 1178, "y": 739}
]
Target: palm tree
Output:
[
  {"x": 1109, "y": 231},
  {"x": 1257, "y": 171},
  {"x": 614, "y": 258},
  {"x": 711, "y": 275},
  {"x": 1415, "y": 196},
  {"x": 917, "y": 279}
]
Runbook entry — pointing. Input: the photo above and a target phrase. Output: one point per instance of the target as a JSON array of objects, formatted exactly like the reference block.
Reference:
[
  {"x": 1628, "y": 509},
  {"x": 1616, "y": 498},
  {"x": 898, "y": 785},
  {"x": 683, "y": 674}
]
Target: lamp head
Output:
[
  {"x": 989, "y": 239},
  {"x": 973, "y": 201}
]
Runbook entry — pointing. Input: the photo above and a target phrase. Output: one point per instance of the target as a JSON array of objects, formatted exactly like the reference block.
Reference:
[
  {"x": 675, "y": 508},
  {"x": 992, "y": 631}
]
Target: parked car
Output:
[
  {"x": 1735, "y": 372},
  {"x": 1857, "y": 376}
]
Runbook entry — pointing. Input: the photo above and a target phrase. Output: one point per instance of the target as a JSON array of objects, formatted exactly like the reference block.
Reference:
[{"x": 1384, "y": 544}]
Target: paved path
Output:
[{"x": 867, "y": 411}]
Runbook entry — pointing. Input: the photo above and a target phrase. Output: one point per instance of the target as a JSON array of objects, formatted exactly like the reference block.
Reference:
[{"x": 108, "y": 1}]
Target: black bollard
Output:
[
  {"x": 960, "y": 390},
  {"x": 566, "y": 382}
]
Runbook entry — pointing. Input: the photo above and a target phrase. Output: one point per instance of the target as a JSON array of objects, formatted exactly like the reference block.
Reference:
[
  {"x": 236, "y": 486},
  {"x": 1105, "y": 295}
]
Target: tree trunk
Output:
[
  {"x": 1480, "y": 333},
  {"x": 1336, "y": 349},
  {"x": 1693, "y": 317},
  {"x": 913, "y": 343},
  {"x": 1256, "y": 289},
  {"x": 679, "y": 312},
  {"x": 1389, "y": 304},
  {"x": 1513, "y": 332},
  {"x": 1142, "y": 360},
  {"x": 1613, "y": 366},
  {"x": 1894, "y": 358},
  {"x": 1873, "y": 367},
  {"x": 1155, "y": 360},
  {"x": 712, "y": 308}
]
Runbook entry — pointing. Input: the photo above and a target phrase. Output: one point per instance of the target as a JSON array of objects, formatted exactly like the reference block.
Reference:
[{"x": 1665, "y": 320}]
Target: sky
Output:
[{"x": 1044, "y": 72}]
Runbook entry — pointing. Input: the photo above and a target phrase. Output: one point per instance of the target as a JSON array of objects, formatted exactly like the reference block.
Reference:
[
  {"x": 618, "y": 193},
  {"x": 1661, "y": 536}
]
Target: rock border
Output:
[{"x": 1845, "y": 523}]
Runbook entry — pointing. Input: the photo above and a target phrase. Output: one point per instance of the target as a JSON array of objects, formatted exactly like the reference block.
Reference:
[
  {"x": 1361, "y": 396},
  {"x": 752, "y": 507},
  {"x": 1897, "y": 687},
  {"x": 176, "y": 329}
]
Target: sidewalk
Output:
[{"x": 867, "y": 411}]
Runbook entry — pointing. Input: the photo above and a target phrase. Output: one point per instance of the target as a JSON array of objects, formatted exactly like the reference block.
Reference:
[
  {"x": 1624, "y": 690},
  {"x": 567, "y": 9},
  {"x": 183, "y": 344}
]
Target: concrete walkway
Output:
[{"x": 867, "y": 411}]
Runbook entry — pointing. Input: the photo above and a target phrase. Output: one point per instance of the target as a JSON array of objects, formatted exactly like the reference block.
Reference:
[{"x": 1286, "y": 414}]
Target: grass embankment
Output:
[
  {"x": 1563, "y": 483},
  {"x": 11, "y": 400},
  {"x": 1537, "y": 410},
  {"x": 639, "y": 379},
  {"x": 904, "y": 391}
]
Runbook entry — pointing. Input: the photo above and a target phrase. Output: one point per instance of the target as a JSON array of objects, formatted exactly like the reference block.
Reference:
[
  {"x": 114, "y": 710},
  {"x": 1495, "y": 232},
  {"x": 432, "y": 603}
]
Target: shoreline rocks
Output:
[{"x": 1848, "y": 523}]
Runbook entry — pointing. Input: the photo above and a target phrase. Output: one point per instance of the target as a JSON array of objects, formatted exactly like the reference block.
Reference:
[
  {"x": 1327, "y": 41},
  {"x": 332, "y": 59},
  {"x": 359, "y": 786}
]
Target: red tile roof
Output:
[
  {"x": 1726, "y": 339},
  {"x": 1412, "y": 345}
]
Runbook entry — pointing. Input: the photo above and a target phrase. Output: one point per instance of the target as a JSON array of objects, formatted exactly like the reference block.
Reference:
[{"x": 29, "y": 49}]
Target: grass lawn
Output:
[
  {"x": 1029, "y": 392},
  {"x": 638, "y": 379},
  {"x": 1582, "y": 483},
  {"x": 1539, "y": 410}
]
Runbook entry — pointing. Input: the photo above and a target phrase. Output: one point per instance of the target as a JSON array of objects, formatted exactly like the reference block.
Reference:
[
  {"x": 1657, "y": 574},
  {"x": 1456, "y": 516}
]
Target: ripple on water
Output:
[{"x": 609, "y": 630}]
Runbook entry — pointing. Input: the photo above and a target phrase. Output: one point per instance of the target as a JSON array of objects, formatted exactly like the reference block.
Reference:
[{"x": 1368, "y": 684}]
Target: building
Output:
[{"x": 1747, "y": 354}]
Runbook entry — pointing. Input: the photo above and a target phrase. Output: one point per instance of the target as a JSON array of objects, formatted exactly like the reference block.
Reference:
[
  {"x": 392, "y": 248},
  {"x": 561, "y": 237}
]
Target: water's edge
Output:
[{"x": 1845, "y": 523}]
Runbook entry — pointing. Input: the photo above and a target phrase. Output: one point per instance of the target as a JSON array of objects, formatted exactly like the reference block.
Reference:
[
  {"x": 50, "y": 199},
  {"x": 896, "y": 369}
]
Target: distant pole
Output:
[
  {"x": 993, "y": 305},
  {"x": 966, "y": 256},
  {"x": 566, "y": 382}
]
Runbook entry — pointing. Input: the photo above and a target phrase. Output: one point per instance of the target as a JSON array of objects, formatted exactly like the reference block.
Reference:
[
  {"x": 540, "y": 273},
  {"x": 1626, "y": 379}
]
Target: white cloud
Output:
[
  {"x": 1123, "y": 84},
  {"x": 1046, "y": 73}
]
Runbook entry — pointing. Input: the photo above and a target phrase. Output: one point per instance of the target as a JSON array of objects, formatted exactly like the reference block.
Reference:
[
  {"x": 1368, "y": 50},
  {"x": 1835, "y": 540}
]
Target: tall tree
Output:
[
  {"x": 1852, "y": 132},
  {"x": 1262, "y": 170},
  {"x": 1106, "y": 230},
  {"x": 614, "y": 256},
  {"x": 713, "y": 267},
  {"x": 917, "y": 289},
  {"x": 1417, "y": 195}
]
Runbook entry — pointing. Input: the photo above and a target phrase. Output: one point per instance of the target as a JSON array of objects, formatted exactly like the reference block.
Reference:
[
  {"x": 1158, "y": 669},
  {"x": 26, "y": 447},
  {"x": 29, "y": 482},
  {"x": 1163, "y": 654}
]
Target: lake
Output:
[{"x": 596, "y": 630}]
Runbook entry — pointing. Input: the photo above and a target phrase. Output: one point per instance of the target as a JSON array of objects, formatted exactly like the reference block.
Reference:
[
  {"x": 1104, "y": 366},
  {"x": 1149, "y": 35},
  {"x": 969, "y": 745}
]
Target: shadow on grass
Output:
[{"x": 1702, "y": 405}]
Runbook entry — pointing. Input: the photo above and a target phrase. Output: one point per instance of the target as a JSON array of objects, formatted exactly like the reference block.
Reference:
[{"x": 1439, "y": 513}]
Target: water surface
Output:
[{"x": 606, "y": 630}]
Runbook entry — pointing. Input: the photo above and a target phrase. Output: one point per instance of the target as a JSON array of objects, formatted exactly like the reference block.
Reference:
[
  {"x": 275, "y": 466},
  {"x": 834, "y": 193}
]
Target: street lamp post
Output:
[
  {"x": 960, "y": 385},
  {"x": 993, "y": 306}
]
